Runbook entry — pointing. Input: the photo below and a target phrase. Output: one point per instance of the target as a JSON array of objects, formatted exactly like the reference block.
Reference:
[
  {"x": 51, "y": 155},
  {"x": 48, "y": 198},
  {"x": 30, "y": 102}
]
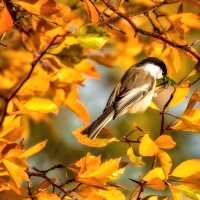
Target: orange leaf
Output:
[
  {"x": 38, "y": 147},
  {"x": 176, "y": 59},
  {"x": 104, "y": 137},
  {"x": 15, "y": 172},
  {"x": 45, "y": 184},
  {"x": 165, "y": 142},
  {"x": 91, "y": 11},
  {"x": 187, "y": 168},
  {"x": 175, "y": 192},
  {"x": 73, "y": 104},
  {"x": 154, "y": 173},
  {"x": 192, "y": 181},
  {"x": 87, "y": 68},
  {"x": 79, "y": 109},
  {"x": 39, "y": 7},
  {"x": 165, "y": 161},
  {"x": 147, "y": 146},
  {"x": 156, "y": 183},
  {"x": 44, "y": 195},
  {"x": 180, "y": 94},
  {"x": 189, "y": 122},
  {"x": 6, "y": 20}
]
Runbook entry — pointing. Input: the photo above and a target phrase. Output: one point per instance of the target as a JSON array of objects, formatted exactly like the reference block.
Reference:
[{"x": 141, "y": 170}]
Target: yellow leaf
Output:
[
  {"x": 92, "y": 181},
  {"x": 180, "y": 94},
  {"x": 35, "y": 85},
  {"x": 11, "y": 126},
  {"x": 12, "y": 135},
  {"x": 148, "y": 147},
  {"x": 10, "y": 109},
  {"x": 6, "y": 20},
  {"x": 165, "y": 161},
  {"x": 189, "y": 19},
  {"x": 117, "y": 174},
  {"x": 41, "y": 105},
  {"x": 154, "y": 173},
  {"x": 67, "y": 75},
  {"x": 46, "y": 195},
  {"x": 176, "y": 59},
  {"x": 112, "y": 193},
  {"x": 104, "y": 137},
  {"x": 192, "y": 181},
  {"x": 187, "y": 168},
  {"x": 165, "y": 142},
  {"x": 87, "y": 68},
  {"x": 156, "y": 183},
  {"x": 175, "y": 192},
  {"x": 189, "y": 122},
  {"x": 155, "y": 48},
  {"x": 33, "y": 150},
  {"x": 137, "y": 161},
  {"x": 15, "y": 172},
  {"x": 39, "y": 7},
  {"x": 104, "y": 170},
  {"x": 193, "y": 100}
]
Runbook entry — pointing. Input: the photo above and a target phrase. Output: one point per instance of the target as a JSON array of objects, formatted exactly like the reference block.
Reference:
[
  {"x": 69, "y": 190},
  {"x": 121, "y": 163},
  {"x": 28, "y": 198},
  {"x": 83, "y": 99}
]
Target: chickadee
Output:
[{"x": 133, "y": 93}]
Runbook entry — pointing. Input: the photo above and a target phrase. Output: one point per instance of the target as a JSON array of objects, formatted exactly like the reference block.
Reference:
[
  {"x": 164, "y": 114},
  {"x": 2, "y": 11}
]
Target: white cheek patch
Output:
[{"x": 154, "y": 70}]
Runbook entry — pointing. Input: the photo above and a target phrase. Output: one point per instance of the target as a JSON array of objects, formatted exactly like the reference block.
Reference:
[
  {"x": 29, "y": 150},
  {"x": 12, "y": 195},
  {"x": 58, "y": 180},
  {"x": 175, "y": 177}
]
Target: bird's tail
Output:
[{"x": 94, "y": 128}]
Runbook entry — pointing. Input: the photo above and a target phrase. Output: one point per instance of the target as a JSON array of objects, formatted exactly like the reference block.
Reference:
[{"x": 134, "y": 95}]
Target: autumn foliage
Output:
[{"x": 48, "y": 49}]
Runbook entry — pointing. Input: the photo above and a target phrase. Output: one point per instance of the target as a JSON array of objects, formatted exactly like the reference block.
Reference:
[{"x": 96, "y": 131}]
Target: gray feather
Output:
[{"x": 94, "y": 128}]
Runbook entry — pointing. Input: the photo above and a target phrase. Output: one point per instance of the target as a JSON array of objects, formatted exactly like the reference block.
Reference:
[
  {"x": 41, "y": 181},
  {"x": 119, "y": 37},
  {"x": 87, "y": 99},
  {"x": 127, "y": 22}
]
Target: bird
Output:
[{"x": 132, "y": 94}]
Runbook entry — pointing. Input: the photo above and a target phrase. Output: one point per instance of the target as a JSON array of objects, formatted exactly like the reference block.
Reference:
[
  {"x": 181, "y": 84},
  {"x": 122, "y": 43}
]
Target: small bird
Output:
[{"x": 132, "y": 94}]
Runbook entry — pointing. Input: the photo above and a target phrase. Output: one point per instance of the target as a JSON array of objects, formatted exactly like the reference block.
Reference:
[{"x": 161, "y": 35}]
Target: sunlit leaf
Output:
[
  {"x": 148, "y": 147},
  {"x": 93, "y": 37},
  {"x": 39, "y": 7},
  {"x": 104, "y": 137},
  {"x": 45, "y": 195},
  {"x": 66, "y": 76},
  {"x": 10, "y": 109},
  {"x": 187, "y": 168},
  {"x": 33, "y": 150},
  {"x": 192, "y": 181},
  {"x": 193, "y": 194},
  {"x": 15, "y": 172},
  {"x": 77, "y": 107},
  {"x": 41, "y": 105},
  {"x": 154, "y": 173},
  {"x": 91, "y": 11},
  {"x": 175, "y": 192},
  {"x": 176, "y": 59},
  {"x": 165, "y": 142},
  {"x": 87, "y": 68},
  {"x": 165, "y": 161},
  {"x": 6, "y": 20},
  {"x": 136, "y": 160},
  {"x": 180, "y": 94},
  {"x": 117, "y": 174},
  {"x": 189, "y": 122},
  {"x": 156, "y": 183}
]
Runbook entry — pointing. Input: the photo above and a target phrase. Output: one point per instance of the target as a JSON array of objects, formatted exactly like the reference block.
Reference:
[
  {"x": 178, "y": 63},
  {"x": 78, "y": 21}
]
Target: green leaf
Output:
[
  {"x": 93, "y": 37},
  {"x": 117, "y": 174},
  {"x": 137, "y": 161},
  {"x": 189, "y": 192},
  {"x": 165, "y": 81},
  {"x": 69, "y": 56}
]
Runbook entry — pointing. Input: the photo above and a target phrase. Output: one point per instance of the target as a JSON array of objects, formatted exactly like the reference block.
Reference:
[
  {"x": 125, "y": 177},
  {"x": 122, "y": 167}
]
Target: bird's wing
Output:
[
  {"x": 130, "y": 96},
  {"x": 113, "y": 96}
]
